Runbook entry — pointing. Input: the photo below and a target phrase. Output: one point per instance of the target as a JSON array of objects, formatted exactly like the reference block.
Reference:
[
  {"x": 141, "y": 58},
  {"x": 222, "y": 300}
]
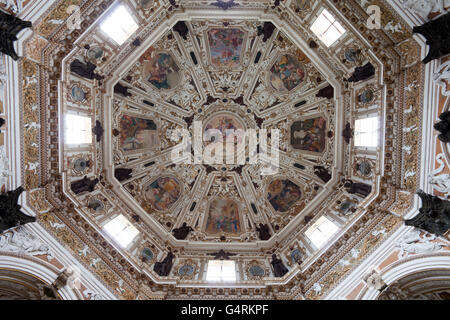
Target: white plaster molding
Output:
[
  {"x": 357, "y": 275},
  {"x": 423, "y": 8},
  {"x": 93, "y": 285},
  {"x": 411, "y": 266},
  {"x": 46, "y": 273}
]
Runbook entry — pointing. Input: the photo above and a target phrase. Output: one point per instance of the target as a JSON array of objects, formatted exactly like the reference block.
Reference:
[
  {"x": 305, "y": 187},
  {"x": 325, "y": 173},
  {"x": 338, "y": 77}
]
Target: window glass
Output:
[
  {"x": 121, "y": 230},
  {"x": 321, "y": 231},
  {"x": 119, "y": 25},
  {"x": 327, "y": 28},
  {"x": 78, "y": 129},
  {"x": 221, "y": 271},
  {"x": 366, "y": 132}
]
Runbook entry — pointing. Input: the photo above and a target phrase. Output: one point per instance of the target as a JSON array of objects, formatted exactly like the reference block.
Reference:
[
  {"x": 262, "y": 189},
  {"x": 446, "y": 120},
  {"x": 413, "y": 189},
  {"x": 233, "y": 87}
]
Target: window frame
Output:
[
  {"x": 127, "y": 225},
  {"x": 108, "y": 15},
  {"x": 316, "y": 227},
  {"x": 322, "y": 36},
  {"x": 221, "y": 280},
  {"x": 378, "y": 132},
  {"x": 65, "y": 130}
]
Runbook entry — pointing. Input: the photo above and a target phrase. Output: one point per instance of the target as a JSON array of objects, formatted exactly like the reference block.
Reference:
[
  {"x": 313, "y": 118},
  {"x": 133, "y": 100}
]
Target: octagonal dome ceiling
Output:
[
  {"x": 222, "y": 77},
  {"x": 178, "y": 113},
  {"x": 191, "y": 80}
]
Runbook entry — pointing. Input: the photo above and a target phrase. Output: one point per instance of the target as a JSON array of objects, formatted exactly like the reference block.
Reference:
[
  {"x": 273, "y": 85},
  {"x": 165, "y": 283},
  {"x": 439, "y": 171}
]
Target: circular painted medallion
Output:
[
  {"x": 352, "y": 55},
  {"x": 95, "y": 53},
  {"x": 365, "y": 168},
  {"x": 257, "y": 271},
  {"x": 366, "y": 97},
  {"x": 146, "y": 3},
  {"x": 346, "y": 206},
  {"x": 80, "y": 165},
  {"x": 186, "y": 270},
  {"x": 296, "y": 256},
  {"x": 96, "y": 205},
  {"x": 147, "y": 254},
  {"x": 78, "y": 94}
]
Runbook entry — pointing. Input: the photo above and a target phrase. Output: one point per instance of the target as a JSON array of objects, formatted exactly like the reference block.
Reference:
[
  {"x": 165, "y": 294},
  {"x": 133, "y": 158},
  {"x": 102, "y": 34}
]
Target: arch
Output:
[
  {"x": 30, "y": 271},
  {"x": 432, "y": 268}
]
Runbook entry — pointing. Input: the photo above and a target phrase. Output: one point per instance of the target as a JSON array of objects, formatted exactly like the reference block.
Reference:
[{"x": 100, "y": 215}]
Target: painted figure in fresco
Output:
[
  {"x": 227, "y": 126},
  {"x": 225, "y": 47},
  {"x": 160, "y": 70},
  {"x": 296, "y": 256},
  {"x": 283, "y": 194},
  {"x": 287, "y": 73},
  {"x": 163, "y": 193},
  {"x": 137, "y": 133},
  {"x": 223, "y": 217},
  {"x": 309, "y": 135},
  {"x": 78, "y": 94}
]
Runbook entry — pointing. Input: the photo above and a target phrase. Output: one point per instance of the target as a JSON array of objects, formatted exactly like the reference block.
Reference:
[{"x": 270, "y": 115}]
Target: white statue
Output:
[
  {"x": 423, "y": 8},
  {"x": 317, "y": 288},
  {"x": 92, "y": 295},
  {"x": 414, "y": 243},
  {"x": 442, "y": 78},
  {"x": 393, "y": 28},
  {"x": 3, "y": 76},
  {"x": 10, "y": 5},
  {"x": 440, "y": 182},
  {"x": 4, "y": 167},
  {"x": 373, "y": 280},
  {"x": 22, "y": 241}
]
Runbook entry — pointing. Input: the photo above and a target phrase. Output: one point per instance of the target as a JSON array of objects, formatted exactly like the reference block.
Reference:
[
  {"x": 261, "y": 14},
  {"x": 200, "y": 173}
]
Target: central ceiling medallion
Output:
[{"x": 223, "y": 129}]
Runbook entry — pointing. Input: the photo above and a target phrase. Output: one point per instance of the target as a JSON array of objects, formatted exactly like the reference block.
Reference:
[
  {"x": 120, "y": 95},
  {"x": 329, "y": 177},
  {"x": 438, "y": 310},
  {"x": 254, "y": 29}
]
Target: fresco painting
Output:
[
  {"x": 225, "y": 47},
  {"x": 95, "y": 53},
  {"x": 283, "y": 194},
  {"x": 223, "y": 217},
  {"x": 228, "y": 125},
  {"x": 137, "y": 133},
  {"x": 146, "y": 3},
  {"x": 287, "y": 73},
  {"x": 309, "y": 135},
  {"x": 78, "y": 94},
  {"x": 160, "y": 69},
  {"x": 163, "y": 193}
]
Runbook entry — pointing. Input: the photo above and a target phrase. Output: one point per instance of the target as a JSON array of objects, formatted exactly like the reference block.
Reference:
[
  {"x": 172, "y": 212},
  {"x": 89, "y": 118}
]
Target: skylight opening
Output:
[
  {"x": 327, "y": 28},
  {"x": 78, "y": 129},
  {"x": 367, "y": 132},
  {"x": 321, "y": 231},
  {"x": 119, "y": 25},
  {"x": 121, "y": 230},
  {"x": 221, "y": 271}
]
